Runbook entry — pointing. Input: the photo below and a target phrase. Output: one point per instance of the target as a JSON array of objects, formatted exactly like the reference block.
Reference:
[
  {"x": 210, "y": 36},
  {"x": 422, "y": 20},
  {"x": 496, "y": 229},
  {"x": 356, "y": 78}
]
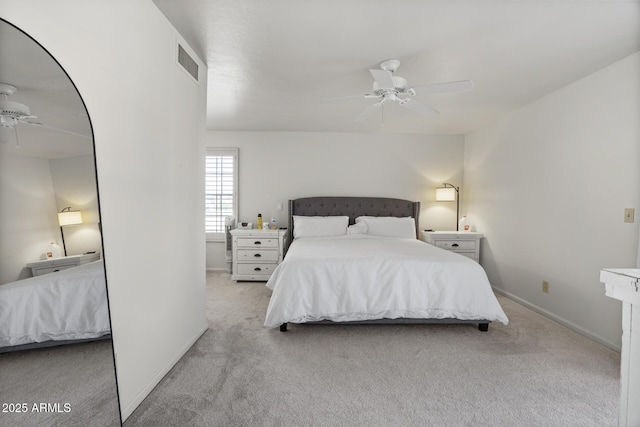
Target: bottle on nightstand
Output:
[
  {"x": 52, "y": 251},
  {"x": 464, "y": 224}
]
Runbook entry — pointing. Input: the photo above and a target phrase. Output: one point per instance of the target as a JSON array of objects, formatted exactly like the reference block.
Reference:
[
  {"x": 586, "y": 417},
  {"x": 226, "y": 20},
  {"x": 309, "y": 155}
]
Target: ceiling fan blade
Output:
[
  {"x": 56, "y": 129},
  {"x": 459, "y": 86},
  {"x": 383, "y": 78},
  {"x": 367, "y": 112},
  {"x": 366, "y": 95},
  {"x": 421, "y": 109}
]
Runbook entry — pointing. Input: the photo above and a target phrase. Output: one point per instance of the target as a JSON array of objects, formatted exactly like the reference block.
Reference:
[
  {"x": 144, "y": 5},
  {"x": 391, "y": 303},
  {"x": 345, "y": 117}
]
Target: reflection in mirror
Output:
[{"x": 56, "y": 357}]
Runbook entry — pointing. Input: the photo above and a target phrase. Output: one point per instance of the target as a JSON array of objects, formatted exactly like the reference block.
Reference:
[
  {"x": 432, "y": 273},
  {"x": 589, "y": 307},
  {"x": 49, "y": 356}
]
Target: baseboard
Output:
[
  {"x": 558, "y": 319},
  {"x": 217, "y": 269},
  {"x": 128, "y": 410}
]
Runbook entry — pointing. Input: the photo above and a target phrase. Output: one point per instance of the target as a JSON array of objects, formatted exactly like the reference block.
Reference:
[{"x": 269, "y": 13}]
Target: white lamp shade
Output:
[
  {"x": 69, "y": 218},
  {"x": 447, "y": 194}
]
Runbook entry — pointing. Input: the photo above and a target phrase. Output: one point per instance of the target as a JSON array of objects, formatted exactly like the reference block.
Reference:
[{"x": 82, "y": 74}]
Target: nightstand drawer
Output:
[
  {"x": 471, "y": 255},
  {"x": 456, "y": 245},
  {"x": 47, "y": 270},
  {"x": 259, "y": 242},
  {"x": 255, "y": 268},
  {"x": 257, "y": 255}
]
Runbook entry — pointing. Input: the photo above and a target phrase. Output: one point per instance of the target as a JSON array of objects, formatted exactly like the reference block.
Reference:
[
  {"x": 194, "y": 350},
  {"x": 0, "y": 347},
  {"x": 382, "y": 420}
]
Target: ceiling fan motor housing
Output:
[
  {"x": 13, "y": 109},
  {"x": 399, "y": 85}
]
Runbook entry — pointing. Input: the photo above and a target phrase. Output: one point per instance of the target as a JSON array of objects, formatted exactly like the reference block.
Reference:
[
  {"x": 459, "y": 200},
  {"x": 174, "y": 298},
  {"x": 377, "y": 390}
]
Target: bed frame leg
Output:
[
  {"x": 484, "y": 327},
  {"x": 283, "y": 327}
]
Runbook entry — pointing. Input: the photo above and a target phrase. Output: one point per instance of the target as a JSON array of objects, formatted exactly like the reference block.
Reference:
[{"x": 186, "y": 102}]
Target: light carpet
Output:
[
  {"x": 533, "y": 372},
  {"x": 76, "y": 383}
]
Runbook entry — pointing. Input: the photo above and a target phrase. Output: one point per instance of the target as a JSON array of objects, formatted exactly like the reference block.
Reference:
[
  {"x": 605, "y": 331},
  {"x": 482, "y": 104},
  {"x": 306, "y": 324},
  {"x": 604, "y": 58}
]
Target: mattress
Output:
[
  {"x": 67, "y": 305},
  {"x": 363, "y": 277}
]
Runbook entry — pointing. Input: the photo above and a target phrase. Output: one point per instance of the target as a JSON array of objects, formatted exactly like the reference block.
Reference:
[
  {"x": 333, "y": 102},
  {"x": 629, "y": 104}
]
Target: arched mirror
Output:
[{"x": 56, "y": 357}]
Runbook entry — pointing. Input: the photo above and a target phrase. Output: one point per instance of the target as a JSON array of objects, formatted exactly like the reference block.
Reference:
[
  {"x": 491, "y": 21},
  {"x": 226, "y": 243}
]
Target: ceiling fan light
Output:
[
  {"x": 7, "y": 122},
  {"x": 400, "y": 83}
]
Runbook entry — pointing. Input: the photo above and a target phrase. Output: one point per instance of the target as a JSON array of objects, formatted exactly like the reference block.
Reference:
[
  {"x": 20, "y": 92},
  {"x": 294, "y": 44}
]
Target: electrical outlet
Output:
[
  {"x": 629, "y": 214},
  {"x": 545, "y": 286}
]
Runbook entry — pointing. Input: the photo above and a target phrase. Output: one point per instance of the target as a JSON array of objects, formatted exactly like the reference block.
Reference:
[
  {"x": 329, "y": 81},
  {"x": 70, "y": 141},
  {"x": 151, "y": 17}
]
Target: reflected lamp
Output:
[
  {"x": 68, "y": 217},
  {"x": 450, "y": 193}
]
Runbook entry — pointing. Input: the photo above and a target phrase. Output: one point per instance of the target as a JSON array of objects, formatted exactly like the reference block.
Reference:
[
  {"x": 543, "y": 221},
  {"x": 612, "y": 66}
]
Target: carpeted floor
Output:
[
  {"x": 533, "y": 372},
  {"x": 76, "y": 384}
]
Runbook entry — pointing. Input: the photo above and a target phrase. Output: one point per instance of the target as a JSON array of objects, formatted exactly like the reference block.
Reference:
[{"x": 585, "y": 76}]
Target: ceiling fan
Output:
[
  {"x": 14, "y": 113},
  {"x": 390, "y": 88}
]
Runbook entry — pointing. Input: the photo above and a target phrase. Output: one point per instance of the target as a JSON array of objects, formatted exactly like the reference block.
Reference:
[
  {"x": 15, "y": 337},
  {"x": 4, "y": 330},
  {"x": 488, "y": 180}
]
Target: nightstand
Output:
[
  {"x": 256, "y": 253},
  {"x": 46, "y": 266},
  {"x": 465, "y": 243}
]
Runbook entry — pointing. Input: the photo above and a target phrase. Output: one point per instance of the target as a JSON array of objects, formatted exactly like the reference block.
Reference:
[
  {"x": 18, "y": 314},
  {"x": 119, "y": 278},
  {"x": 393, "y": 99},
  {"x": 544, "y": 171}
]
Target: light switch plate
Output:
[{"x": 629, "y": 214}]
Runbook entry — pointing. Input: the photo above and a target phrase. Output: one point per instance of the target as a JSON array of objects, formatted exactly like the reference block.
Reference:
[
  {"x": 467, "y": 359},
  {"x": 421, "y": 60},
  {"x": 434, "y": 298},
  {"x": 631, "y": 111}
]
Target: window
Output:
[{"x": 221, "y": 189}]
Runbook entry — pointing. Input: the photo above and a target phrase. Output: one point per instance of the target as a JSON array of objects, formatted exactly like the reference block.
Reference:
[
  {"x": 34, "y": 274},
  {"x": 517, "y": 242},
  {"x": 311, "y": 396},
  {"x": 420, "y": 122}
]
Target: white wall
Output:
[
  {"x": 148, "y": 122},
  {"x": 74, "y": 183},
  {"x": 28, "y": 212},
  {"x": 548, "y": 186},
  {"x": 278, "y": 166}
]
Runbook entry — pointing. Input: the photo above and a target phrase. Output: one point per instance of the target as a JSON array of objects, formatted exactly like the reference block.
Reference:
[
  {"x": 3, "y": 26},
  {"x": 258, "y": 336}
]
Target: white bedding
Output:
[
  {"x": 67, "y": 305},
  {"x": 362, "y": 277}
]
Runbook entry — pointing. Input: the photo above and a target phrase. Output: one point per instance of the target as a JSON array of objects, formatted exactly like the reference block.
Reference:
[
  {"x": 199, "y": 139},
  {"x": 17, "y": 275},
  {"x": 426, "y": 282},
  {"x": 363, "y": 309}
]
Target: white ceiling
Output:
[
  {"x": 45, "y": 88},
  {"x": 272, "y": 64}
]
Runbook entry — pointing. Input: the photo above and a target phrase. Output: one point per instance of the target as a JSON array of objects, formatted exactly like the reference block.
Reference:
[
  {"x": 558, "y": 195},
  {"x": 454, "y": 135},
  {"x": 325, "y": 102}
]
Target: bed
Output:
[
  {"x": 65, "y": 307},
  {"x": 372, "y": 269}
]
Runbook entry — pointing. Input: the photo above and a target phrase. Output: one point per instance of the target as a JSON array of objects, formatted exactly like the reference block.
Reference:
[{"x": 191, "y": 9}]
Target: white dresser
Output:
[
  {"x": 38, "y": 268},
  {"x": 465, "y": 243},
  {"x": 624, "y": 284},
  {"x": 256, "y": 253}
]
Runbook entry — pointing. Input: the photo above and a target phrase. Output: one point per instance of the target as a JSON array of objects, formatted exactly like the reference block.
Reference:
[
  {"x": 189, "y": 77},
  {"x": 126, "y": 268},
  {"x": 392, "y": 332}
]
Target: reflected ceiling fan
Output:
[
  {"x": 390, "y": 88},
  {"x": 13, "y": 114}
]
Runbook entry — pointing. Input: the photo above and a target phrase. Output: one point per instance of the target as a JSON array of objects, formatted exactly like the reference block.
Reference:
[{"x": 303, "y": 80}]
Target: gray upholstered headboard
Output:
[{"x": 353, "y": 207}]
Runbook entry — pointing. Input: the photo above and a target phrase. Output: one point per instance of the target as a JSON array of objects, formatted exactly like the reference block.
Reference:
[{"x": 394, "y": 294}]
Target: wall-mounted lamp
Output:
[
  {"x": 68, "y": 217},
  {"x": 449, "y": 193}
]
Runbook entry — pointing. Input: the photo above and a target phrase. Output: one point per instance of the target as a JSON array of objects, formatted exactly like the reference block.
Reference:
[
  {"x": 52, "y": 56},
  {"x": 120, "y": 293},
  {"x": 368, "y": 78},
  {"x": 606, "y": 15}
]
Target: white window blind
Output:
[{"x": 221, "y": 171}]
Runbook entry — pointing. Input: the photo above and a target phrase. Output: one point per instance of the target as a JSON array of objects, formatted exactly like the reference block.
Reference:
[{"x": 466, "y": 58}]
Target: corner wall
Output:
[
  {"x": 28, "y": 211},
  {"x": 122, "y": 57},
  {"x": 548, "y": 186}
]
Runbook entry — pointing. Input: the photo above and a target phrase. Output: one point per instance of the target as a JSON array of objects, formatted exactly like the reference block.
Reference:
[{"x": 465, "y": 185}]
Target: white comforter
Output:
[
  {"x": 66, "y": 305},
  {"x": 362, "y": 277}
]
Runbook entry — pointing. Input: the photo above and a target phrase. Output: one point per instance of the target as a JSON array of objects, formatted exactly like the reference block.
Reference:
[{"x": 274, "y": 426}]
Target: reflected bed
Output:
[{"x": 65, "y": 307}]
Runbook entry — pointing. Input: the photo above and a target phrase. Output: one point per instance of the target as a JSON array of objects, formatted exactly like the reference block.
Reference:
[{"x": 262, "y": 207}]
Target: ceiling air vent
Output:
[{"x": 187, "y": 62}]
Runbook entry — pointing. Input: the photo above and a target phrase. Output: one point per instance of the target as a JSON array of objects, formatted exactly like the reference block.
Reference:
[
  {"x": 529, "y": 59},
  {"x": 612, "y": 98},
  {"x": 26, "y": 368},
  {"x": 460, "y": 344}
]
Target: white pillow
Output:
[
  {"x": 319, "y": 226},
  {"x": 360, "y": 228},
  {"x": 389, "y": 226}
]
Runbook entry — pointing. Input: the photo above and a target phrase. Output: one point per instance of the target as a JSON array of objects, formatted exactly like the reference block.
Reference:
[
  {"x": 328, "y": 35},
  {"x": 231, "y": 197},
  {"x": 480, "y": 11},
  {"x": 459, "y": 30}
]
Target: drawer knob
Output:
[
  {"x": 257, "y": 255},
  {"x": 455, "y": 245},
  {"x": 257, "y": 269},
  {"x": 257, "y": 242}
]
